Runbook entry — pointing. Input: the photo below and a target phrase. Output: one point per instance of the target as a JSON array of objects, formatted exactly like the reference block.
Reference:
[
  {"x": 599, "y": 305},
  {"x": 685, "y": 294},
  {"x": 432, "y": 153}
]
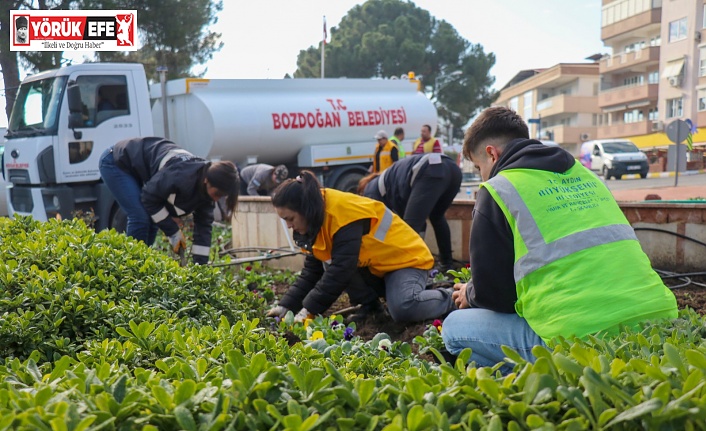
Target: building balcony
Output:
[
  {"x": 571, "y": 134},
  {"x": 630, "y": 60},
  {"x": 622, "y": 130},
  {"x": 635, "y": 22},
  {"x": 567, "y": 104},
  {"x": 623, "y": 97}
]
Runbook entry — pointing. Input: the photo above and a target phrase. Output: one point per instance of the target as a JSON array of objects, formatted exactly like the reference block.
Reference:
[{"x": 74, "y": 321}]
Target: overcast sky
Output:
[{"x": 263, "y": 38}]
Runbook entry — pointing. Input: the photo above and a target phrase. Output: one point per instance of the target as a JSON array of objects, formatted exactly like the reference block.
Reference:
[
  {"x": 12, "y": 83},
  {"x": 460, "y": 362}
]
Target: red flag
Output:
[{"x": 325, "y": 34}]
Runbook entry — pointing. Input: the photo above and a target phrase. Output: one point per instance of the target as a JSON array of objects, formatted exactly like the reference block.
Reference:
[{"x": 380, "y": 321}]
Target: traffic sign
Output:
[{"x": 677, "y": 131}]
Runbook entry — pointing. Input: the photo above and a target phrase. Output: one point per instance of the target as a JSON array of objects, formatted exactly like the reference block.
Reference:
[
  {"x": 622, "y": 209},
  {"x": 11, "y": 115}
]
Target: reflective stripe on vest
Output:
[
  {"x": 170, "y": 155},
  {"x": 417, "y": 166},
  {"x": 381, "y": 183},
  {"x": 539, "y": 252},
  {"x": 384, "y": 225}
]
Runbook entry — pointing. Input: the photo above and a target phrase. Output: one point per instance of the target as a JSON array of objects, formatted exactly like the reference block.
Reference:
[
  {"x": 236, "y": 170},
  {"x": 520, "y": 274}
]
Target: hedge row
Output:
[{"x": 149, "y": 345}]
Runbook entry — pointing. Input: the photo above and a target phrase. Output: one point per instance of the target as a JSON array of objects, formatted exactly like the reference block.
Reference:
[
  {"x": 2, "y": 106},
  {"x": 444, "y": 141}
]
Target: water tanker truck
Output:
[{"x": 64, "y": 119}]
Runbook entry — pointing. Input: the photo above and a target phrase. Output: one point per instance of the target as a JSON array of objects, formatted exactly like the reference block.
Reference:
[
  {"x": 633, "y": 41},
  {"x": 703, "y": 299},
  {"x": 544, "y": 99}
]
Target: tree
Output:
[
  {"x": 388, "y": 38},
  {"x": 174, "y": 33},
  {"x": 30, "y": 60}
]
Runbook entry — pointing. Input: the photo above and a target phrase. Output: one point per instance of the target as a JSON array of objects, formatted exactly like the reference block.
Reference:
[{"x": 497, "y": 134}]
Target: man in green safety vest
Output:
[
  {"x": 397, "y": 139},
  {"x": 551, "y": 253}
]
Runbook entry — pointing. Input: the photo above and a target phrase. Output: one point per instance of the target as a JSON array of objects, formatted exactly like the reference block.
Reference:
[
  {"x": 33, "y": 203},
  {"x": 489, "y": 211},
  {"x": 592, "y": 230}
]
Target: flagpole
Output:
[{"x": 323, "y": 49}]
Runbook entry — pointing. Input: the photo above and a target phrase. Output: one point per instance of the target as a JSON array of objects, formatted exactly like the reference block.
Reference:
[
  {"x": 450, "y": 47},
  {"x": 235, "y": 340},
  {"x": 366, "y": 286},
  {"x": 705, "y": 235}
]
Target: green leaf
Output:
[
  {"x": 673, "y": 357},
  {"x": 637, "y": 411},
  {"x": 418, "y": 419},
  {"x": 186, "y": 390},
  {"x": 120, "y": 388},
  {"x": 184, "y": 418}
]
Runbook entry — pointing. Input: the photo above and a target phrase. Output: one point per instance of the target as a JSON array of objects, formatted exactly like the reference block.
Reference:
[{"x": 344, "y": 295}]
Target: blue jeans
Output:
[
  {"x": 484, "y": 331},
  {"x": 126, "y": 190},
  {"x": 408, "y": 299}
]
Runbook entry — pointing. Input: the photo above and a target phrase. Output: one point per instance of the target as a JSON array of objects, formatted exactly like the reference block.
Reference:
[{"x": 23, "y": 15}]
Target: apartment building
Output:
[
  {"x": 656, "y": 73},
  {"x": 560, "y": 103}
]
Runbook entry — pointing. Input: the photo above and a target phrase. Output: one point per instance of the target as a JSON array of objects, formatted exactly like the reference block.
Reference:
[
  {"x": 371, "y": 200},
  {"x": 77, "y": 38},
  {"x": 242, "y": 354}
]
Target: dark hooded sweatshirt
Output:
[{"x": 492, "y": 251}]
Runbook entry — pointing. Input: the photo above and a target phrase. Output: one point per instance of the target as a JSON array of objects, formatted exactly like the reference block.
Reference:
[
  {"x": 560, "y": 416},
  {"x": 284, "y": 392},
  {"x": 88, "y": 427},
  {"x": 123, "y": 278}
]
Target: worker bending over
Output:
[
  {"x": 417, "y": 188},
  {"x": 153, "y": 180}
]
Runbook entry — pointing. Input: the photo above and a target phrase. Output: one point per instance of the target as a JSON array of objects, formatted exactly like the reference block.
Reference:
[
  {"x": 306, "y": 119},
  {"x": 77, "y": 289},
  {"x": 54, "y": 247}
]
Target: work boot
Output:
[{"x": 373, "y": 310}]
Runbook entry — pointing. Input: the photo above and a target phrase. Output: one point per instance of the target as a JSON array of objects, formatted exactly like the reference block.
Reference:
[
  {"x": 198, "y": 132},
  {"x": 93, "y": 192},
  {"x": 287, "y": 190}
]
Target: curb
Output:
[{"x": 664, "y": 174}]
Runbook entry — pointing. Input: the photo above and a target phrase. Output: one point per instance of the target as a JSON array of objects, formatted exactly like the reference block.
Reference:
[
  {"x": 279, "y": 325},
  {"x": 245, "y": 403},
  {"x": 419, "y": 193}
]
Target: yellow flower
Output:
[
  {"x": 317, "y": 335},
  {"x": 306, "y": 322},
  {"x": 332, "y": 318}
]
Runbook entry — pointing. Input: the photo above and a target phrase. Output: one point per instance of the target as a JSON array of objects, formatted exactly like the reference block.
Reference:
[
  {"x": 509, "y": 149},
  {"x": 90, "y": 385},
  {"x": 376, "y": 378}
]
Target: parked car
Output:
[{"x": 614, "y": 158}]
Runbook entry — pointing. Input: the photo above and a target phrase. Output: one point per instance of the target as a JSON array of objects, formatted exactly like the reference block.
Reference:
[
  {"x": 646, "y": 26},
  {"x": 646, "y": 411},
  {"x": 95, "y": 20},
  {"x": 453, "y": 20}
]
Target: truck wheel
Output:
[
  {"x": 349, "y": 182},
  {"x": 643, "y": 175},
  {"x": 118, "y": 220},
  {"x": 605, "y": 173}
]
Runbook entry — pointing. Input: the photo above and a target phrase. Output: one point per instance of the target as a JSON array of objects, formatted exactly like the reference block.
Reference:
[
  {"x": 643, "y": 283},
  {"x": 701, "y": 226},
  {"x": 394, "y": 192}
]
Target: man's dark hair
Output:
[
  {"x": 428, "y": 127},
  {"x": 495, "y": 122},
  {"x": 399, "y": 131},
  {"x": 21, "y": 22}
]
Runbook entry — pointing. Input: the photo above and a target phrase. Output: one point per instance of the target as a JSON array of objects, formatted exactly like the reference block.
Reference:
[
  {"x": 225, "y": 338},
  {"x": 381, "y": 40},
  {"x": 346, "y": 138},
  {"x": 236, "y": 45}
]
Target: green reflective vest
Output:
[
  {"x": 400, "y": 150},
  {"x": 579, "y": 268}
]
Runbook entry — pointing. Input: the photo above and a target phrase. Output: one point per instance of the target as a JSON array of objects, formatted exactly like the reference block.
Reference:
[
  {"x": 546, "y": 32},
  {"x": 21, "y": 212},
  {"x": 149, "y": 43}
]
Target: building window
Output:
[
  {"x": 656, "y": 40},
  {"x": 702, "y": 61},
  {"x": 653, "y": 77},
  {"x": 701, "y": 102},
  {"x": 513, "y": 104},
  {"x": 634, "y": 116},
  {"x": 674, "y": 108},
  {"x": 634, "y": 80},
  {"x": 653, "y": 114},
  {"x": 703, "y": 24},
  {"x": 677, "y": 30},
  {"x": 527, "y": 104}
]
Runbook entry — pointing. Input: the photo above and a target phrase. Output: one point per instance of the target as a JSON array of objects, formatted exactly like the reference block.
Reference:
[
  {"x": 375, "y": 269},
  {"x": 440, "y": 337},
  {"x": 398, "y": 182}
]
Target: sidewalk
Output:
[
  {"x": 665, "y": 193},
  {"x": 669, "y": 193}
]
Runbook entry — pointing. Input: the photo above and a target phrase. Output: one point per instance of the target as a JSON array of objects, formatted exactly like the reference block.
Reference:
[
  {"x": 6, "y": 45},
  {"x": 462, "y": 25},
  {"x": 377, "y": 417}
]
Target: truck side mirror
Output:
[{"x": 75, "y": 108}]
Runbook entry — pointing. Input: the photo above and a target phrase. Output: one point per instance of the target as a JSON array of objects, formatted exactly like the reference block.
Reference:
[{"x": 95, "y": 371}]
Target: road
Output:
[{"x": 695, "y": 183}]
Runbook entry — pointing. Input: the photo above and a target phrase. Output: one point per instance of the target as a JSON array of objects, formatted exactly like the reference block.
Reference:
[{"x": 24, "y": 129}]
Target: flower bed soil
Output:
[{"x": 692, "y": 295}]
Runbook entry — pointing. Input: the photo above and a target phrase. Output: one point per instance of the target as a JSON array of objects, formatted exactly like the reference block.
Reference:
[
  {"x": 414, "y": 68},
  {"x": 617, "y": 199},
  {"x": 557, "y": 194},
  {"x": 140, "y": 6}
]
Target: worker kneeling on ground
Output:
[
  {"x": 153, "y": 180},
  {"x": 551, "y": 253},
  {"x": 417, "y": 188},
  {"x": 357, "y": 245},
  {"x": 261, "y": 179}
]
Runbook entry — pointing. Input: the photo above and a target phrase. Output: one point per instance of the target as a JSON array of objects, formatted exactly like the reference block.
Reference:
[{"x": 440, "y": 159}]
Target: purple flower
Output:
[
  {"x": 433, "y": 273},
  {"x": 348, "y": 334},
  {"x": 334, "y": 323}
]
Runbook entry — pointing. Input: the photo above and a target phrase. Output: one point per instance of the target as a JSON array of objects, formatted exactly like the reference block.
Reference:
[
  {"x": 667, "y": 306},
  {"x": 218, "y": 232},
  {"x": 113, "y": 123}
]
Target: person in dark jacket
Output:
[
  {"x": 357, "y": 245},
  {"x": 417, "y": 188},
  {"x": 261, "y": 179},
  {"x": 551, "y": 252},
  {"x": 153, "y": 180}
]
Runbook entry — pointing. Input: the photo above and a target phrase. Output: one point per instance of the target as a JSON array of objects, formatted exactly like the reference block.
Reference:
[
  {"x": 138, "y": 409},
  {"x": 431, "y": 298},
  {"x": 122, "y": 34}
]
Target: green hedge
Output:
[{"x": 142, "y": 357}]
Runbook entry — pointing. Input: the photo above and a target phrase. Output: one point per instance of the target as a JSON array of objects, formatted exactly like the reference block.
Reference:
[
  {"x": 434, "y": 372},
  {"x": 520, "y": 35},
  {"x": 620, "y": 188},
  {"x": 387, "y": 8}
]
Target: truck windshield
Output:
[
  {"x": 620, "y": 147},
  {"x": 36, "y": 109}
]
